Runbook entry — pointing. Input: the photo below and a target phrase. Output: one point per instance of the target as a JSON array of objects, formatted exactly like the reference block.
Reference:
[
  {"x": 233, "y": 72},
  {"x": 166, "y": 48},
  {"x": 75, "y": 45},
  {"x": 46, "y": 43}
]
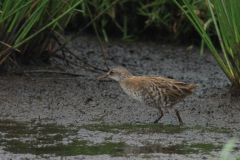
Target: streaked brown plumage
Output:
[{"x": 154, "y": 91}]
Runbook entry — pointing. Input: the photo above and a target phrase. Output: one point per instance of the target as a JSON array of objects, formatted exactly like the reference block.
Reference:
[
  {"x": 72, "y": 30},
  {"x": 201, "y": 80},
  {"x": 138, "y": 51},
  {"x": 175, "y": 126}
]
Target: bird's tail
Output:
[{"x": 186, "y": 89}]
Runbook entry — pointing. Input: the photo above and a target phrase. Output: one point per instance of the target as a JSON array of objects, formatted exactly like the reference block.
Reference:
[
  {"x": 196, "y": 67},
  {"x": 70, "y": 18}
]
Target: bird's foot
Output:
[
  {"x": 156, "y": 121},
  {"x": 182, "y": 124}
]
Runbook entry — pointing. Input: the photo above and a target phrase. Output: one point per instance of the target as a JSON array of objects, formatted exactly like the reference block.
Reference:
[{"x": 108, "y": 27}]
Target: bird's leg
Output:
[
  {"x": 179, "y": 117},
  {"x": 161, "y": 114}
]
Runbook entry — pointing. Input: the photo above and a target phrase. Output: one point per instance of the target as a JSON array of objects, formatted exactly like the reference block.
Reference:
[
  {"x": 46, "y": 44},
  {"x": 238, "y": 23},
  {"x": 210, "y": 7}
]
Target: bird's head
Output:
[{"x": 117, "y": 73}]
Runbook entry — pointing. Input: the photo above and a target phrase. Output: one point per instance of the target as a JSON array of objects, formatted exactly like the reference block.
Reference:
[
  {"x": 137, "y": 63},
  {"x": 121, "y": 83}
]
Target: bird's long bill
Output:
[{"x": 106, "y": 76}]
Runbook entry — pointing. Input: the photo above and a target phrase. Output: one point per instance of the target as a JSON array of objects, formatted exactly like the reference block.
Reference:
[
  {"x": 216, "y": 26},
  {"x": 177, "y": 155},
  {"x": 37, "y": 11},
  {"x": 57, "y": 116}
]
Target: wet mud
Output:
[{"x": 62, "y": 116}]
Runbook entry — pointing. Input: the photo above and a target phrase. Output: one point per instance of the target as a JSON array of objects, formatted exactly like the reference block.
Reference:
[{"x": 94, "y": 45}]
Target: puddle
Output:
[
  {"x": 216, "y": 129},
  {"x": 175, "y": 149},
  {"x": 127, "y": 128},
  {"x": 71, "y": 149},
  {"x": 38, "y": 139}
]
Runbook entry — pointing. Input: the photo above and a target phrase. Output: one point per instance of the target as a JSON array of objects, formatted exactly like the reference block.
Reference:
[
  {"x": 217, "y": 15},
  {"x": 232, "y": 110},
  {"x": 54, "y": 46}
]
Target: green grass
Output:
[
  {"x": 131, "y": 18},
  {"x": 28, "y": 28},
  {"x": 225, "y": 16}
]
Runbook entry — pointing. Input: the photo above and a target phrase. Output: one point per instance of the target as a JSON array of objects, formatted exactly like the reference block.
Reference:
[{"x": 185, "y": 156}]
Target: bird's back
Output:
[{"x": 157, "y": 91}]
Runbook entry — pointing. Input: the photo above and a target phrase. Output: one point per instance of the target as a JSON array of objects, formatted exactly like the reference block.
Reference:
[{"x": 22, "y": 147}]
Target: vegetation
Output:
[
  {"x": 21, "y": 21},
  {"x": 45, "y": 21},
  {"x": 29, "y": 28},
  {"x": 227, "y": 149},
  {"x": 225, "y": 14},
  {"x": 131, "y": 18}
]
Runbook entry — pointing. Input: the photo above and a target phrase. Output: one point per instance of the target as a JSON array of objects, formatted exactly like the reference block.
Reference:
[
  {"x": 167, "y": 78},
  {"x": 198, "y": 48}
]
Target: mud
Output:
[{"x": 61, "y": 116}]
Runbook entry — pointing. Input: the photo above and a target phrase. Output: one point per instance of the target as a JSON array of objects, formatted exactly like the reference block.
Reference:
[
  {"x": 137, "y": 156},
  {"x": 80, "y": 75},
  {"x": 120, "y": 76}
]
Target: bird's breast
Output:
[{"x": 132, "y": 90}]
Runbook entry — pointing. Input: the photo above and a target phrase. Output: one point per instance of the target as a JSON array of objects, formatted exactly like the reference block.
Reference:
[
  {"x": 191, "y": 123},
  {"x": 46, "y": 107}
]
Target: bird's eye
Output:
[{"x": 111, "y": 73}]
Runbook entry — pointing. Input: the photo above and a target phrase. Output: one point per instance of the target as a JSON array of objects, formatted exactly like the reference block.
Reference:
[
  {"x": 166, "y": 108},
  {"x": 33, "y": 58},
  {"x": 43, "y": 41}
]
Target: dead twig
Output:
[
  {"x": 26, "y": 74},
  {"x": 58, "y": 56},
  {"x": 52, "y": 71},
  {"x": 5, "y": 51},
  {"x": 76, "y": 35},
  {"x": 77, "y": 56},
  {"x": 9, "y": 46},
  {"x": 34, "y": 4},
  {"x": 6, "y": 56},
  {"x": 73, "y": 53},
  {"x": 59, "y": 43},
  {"x": 14, "y": 62},
  {"x": 99, "y": 41}
]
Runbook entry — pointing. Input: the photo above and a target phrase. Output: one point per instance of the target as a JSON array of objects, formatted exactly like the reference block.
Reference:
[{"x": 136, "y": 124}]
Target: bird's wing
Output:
[
  {"x": 172, "y": 88},
  {"x": 176, "y": 89}
]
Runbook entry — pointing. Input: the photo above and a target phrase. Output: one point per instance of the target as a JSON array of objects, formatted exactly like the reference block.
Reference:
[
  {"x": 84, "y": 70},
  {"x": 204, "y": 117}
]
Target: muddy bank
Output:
[{"x": 86, "y": 112}]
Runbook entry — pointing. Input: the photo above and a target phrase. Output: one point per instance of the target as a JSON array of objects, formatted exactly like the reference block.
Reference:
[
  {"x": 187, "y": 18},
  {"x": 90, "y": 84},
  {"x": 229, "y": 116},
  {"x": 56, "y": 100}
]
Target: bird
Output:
[{"x": 152, "y": 90}]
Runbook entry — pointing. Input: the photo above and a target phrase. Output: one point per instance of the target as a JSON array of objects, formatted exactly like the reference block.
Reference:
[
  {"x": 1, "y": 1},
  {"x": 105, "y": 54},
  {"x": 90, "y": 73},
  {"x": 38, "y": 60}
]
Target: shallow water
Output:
[{"x": 52, "y": 139}]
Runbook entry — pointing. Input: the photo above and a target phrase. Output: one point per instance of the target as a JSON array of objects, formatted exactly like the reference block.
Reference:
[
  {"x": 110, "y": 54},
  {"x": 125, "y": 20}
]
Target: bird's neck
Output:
[
  {"x": 125, "y": 80},
  {"x": 125, "y": 77}
]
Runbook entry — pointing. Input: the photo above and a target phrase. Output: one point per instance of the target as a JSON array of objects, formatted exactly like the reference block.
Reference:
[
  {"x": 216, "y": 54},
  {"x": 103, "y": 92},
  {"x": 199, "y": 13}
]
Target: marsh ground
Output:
[{"x": 59, "y": 116}]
